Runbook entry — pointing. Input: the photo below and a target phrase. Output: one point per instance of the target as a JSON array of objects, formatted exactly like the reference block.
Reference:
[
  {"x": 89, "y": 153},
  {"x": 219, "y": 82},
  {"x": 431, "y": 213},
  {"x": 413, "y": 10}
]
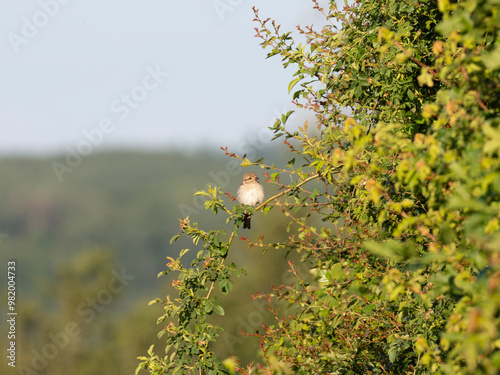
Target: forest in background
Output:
[
  {"x": 393, "y": 208},
  {"x": 114, "y": 214}
]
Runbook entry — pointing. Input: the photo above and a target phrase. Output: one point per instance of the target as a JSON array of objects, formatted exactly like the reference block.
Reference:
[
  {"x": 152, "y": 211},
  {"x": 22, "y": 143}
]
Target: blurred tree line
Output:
[{"x": 75, "y": 241}]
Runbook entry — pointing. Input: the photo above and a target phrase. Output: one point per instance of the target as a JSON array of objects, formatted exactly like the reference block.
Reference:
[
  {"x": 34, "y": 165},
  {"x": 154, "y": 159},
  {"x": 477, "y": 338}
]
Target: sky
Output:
[{"x": 95, "y": 75}]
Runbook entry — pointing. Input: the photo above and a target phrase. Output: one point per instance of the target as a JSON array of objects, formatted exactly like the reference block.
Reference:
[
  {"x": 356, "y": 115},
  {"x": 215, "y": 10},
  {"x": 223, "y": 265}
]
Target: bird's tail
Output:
[{"x": 246, "y": 221}]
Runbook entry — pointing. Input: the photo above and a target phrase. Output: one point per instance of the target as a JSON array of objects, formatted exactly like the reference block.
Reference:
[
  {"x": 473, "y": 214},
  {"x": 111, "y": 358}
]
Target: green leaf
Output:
[
  {"x": 175, "y": 238},
  {"x": 492, "y": 59},
  {"x": 246, "y": 163},
  {"x": 225, "y": 286},
  {"x": 425, "y": 78},
  {"x": 293, "y": 83},
  {"x": 314, "y": 193},
  {"x": 493, "y": 143},
  {"x": 358, "y": 91},
  {"x": 217, "y": 307},
  {"x": 387, "y": 249},
  {"x": 152, "y": 302},
  {"x": 284, "y": 117},
  {"x": 393, "y": 352},
  {"x": 410, "y": 94}
]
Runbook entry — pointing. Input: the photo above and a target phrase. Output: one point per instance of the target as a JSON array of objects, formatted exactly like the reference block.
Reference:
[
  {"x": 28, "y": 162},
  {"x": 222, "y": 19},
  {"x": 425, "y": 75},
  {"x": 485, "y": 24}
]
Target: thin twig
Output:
[
  {"x": 479, "y": 101},
  {"x": 312, "y": 177}
]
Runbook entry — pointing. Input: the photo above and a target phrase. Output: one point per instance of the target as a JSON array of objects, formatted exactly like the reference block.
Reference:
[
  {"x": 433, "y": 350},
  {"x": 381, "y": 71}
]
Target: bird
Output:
[{"x": 250, "y": 193}]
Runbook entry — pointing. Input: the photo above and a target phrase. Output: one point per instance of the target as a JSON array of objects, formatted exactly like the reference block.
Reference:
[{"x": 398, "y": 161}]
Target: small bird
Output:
[{"x": 250, "y": 193}]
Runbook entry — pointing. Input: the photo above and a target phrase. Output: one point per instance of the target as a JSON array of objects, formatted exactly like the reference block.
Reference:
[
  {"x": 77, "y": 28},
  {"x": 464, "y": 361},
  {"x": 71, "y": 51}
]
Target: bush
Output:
[{"x": 406, "y": 255}]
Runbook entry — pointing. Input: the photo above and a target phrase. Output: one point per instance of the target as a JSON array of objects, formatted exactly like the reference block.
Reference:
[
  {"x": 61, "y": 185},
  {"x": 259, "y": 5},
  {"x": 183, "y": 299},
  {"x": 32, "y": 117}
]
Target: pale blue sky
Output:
[{"x": 91, "y": 63}]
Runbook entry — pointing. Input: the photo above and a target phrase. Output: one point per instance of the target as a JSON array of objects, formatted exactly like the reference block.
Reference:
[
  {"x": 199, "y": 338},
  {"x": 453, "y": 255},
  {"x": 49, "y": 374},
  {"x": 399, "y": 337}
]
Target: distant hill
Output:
[
  {"x": 129, "y": 202},
  {"x": 126, "y": 204},
  {"x": 125, "y": 201}
]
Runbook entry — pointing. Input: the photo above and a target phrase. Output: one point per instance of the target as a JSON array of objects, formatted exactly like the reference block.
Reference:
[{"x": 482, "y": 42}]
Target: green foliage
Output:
[
  {"x": 124, "y": 201},
  {"x": 401, "y": 225},
  {"x": 132, "y": 202},
  {"x": 82, "y": 323}
]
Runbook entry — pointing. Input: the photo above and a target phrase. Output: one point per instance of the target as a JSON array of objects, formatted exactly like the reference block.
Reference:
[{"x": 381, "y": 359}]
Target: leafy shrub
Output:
[{"x": 407, "y": 97}]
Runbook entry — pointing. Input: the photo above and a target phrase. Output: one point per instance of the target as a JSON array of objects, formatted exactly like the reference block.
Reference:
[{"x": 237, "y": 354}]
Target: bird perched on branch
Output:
[{"x": 250, "y": 193}]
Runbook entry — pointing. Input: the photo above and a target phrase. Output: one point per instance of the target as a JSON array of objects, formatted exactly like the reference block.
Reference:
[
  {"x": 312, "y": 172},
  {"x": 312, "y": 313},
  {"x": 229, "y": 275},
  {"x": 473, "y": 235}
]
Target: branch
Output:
[
  {"x": 312, "y": 177},
  {"x": 220, "y": 265},
  {"x": 479, "y": 101},
  {"x": 418, "y": 62}
]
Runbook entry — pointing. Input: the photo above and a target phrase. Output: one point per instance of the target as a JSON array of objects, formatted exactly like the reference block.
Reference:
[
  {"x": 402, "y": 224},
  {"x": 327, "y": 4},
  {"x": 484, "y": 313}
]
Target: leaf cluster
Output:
[{"x": 394, "y": 207}]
